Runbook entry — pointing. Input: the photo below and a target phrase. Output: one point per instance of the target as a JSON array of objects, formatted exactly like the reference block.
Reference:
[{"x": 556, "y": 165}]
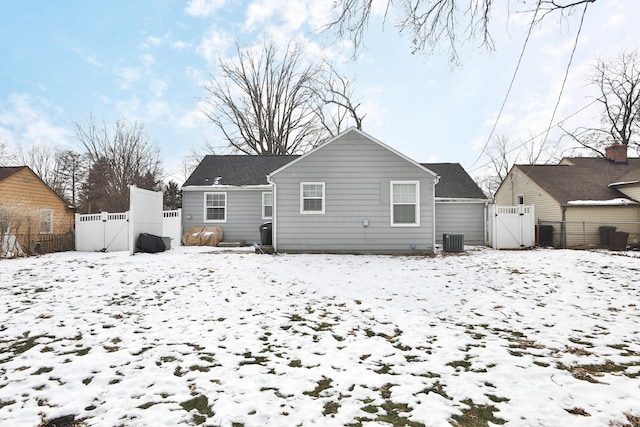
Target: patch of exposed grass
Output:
[
  {"x": 295, "y": 363},
  {"x": 460, "y": 364},
  {"x": 588, "y": 372},
  {"x": 200, "y": 403},
  {"x": 578, "y": 411},
  {"x": 4, "y": 403},
  {"x": 633, "y": 421},
  {"x": 323, "y": 384},
  {"x": 476, "y": 416},
  {"x": 330, "y": 408},
  {"x": 437, "y": 388},
  {"x": 253, "y": 360},
  {"x": 277, "y": 392}
]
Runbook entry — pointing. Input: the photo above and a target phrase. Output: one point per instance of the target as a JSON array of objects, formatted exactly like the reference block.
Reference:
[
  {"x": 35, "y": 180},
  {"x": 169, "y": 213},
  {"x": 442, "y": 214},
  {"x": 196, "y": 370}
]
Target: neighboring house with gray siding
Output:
[{"x": 353, "y": 194}]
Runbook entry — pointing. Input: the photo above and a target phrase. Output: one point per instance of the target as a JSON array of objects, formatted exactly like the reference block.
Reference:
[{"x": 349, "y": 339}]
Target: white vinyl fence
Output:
[
  {"x": 511, "y": 227},
  {"x": 109, "y": 232}
]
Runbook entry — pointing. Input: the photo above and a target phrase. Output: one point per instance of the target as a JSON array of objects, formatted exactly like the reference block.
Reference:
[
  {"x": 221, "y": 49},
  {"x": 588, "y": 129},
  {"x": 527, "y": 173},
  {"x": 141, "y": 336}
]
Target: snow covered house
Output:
[
  {"x": 353, "y": 194},
  {"x": 579, "y": 195}
]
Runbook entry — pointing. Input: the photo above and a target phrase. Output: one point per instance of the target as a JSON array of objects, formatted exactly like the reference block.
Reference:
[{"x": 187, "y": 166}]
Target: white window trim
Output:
[
  {"x": 415, "y": 224},
  {"x": 50, "y": 213},
  {"x": 226, "y": 202},
  {"x": 324, "y": 199},
  {"x": 264, "y": 193},
  {"x": 518, "y": 197}
]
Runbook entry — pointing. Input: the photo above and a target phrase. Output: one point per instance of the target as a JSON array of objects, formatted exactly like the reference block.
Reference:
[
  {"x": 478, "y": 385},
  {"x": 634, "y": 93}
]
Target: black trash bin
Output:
[
  {"x": 618, "y": 240},
  {"x": 266, "y": 237},
  {"x": 604, "y": 235},
  {"x": 545, "y": 235}
]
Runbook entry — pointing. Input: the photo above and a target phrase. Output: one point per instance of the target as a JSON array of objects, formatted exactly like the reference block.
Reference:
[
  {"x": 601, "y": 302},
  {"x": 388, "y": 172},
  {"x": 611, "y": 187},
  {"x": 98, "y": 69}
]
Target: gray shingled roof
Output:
[
  {"x": 236, "y": 169},
  {"x": 7, "y": 171},
  {"x": 588, "y": 178},
  {"x": 253, "y": 170},
  {"x": 454, "y": 182}
]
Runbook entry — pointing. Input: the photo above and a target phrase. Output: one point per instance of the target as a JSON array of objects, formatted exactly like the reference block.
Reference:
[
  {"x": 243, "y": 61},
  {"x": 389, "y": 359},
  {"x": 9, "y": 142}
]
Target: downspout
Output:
[
  {"x": 273, "y": 215},
  {"x": 563, "y": 228},
  {"x": 433, "y": 215},
  {"x": 484, "y": 223}
]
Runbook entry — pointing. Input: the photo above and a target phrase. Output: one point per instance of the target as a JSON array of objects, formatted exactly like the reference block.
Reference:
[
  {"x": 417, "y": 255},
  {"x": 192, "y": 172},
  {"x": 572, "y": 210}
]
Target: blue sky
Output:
[{"x": 148, "y": 60}]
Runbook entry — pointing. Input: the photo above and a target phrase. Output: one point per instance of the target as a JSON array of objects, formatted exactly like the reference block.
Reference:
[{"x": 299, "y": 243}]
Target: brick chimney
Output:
[{"x": 616, "y": 153}]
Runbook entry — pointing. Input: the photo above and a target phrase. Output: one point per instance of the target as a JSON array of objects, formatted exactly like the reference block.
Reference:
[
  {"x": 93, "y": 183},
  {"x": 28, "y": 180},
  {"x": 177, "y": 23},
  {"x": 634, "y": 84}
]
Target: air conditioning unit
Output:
[{"x": 453, "y": 242}]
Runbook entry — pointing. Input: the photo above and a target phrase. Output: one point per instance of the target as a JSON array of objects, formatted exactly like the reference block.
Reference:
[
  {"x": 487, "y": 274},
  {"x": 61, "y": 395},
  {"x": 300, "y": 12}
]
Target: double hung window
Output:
[{"x": 405, "y": 203}]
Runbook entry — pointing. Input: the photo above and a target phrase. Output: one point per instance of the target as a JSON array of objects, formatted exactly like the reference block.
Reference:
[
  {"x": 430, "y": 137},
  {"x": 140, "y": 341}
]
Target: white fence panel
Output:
[
  {"x": 109, "y": 232},
  {"x": 172, "y": 226},
  {"x": 116, "y": 232},
  {"x": 145, "y": 214},
  {"x": 512, "y": 227},
  {"x": 101, "y": 232}
]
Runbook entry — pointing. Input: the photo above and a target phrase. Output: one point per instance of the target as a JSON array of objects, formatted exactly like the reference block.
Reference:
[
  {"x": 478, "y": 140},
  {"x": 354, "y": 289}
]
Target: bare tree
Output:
[
  {"x": 118, "y": 155},
  {"x": 270, "y": 101},
  {"x": 618, "y": 84},
  {"x": 5, "y": 155},
  {"x": 503, "y": 153},
  {"x": 431, "y": 23},
  {"x": 335, "y": 106},
  {"x": 262, "y": 101}
]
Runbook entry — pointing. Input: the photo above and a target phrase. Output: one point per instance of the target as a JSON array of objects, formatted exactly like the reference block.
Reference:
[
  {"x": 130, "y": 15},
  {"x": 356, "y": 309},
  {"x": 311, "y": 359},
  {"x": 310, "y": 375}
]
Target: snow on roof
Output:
[
  {"x": 615, "y": 184},
  {"x": 611, "y": 202}
]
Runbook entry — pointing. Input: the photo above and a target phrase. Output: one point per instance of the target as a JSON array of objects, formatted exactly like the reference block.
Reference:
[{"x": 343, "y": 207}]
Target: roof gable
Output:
[
  {"x": 581, "y": 178},
  {"x": 236, "y": 170},
  {"x": 455, "y": 182},
  {"x": 7, "y": 171},
  {"x": 363, "y": 134}
]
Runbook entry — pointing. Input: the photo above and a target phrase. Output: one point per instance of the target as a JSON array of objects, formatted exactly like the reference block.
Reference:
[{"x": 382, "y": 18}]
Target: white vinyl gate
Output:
[
  {"x": 511, "y": 227},
  {"x": 109, "y": 232}
]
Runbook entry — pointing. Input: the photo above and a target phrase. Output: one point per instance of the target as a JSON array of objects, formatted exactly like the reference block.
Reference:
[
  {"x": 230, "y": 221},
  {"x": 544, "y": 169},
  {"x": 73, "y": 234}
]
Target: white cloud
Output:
[
  {"x": 213, "y": 42},
  {"x": 128, "y": 76},
  {"x": 158, "y": 111},
  {"x": 147, "y": 59},
  {"x": 157, "y": 86},
  {"x": 91, "y": 59},
  {"x": 194, "y": 118},
  {"x": 180, "y": 45},
  {"x": 154, "y": 41},
  {"x": 26, "y": 121},
  {"x": 203, "y": 7}
]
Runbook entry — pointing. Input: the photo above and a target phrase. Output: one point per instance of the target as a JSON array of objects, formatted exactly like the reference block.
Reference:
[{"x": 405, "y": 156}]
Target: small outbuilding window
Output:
[
  {"x": 312, "y": 197},
  {"x": 46, "y": 221},
  {"x": 405, "y": 203},
  {"x": 267, "y": 205},
  {"x": 520, "y": 198},
  {"x": 215, "y": 207}
]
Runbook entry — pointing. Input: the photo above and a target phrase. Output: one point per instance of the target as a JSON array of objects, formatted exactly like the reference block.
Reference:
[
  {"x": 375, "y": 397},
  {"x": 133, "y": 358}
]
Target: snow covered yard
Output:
[{"x": 190, "y": 336}]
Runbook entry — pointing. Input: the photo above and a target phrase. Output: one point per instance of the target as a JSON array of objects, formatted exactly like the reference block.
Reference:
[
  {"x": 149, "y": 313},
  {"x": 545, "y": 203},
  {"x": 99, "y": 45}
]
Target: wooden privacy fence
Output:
[
  {"x": 32, "y": 244},
  {"x": 109, "y": 232}
]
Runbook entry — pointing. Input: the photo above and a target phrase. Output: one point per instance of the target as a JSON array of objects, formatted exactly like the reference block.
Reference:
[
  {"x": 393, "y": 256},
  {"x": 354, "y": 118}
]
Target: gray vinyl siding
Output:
[
  {"x": 357, "y": 173},
  {"x": 244, "y": 213},
  {"x": 461, "y": 218}
]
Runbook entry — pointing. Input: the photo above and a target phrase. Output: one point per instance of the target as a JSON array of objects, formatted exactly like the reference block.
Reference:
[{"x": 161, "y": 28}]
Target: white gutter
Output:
[{"x": 226, "y": 187}]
